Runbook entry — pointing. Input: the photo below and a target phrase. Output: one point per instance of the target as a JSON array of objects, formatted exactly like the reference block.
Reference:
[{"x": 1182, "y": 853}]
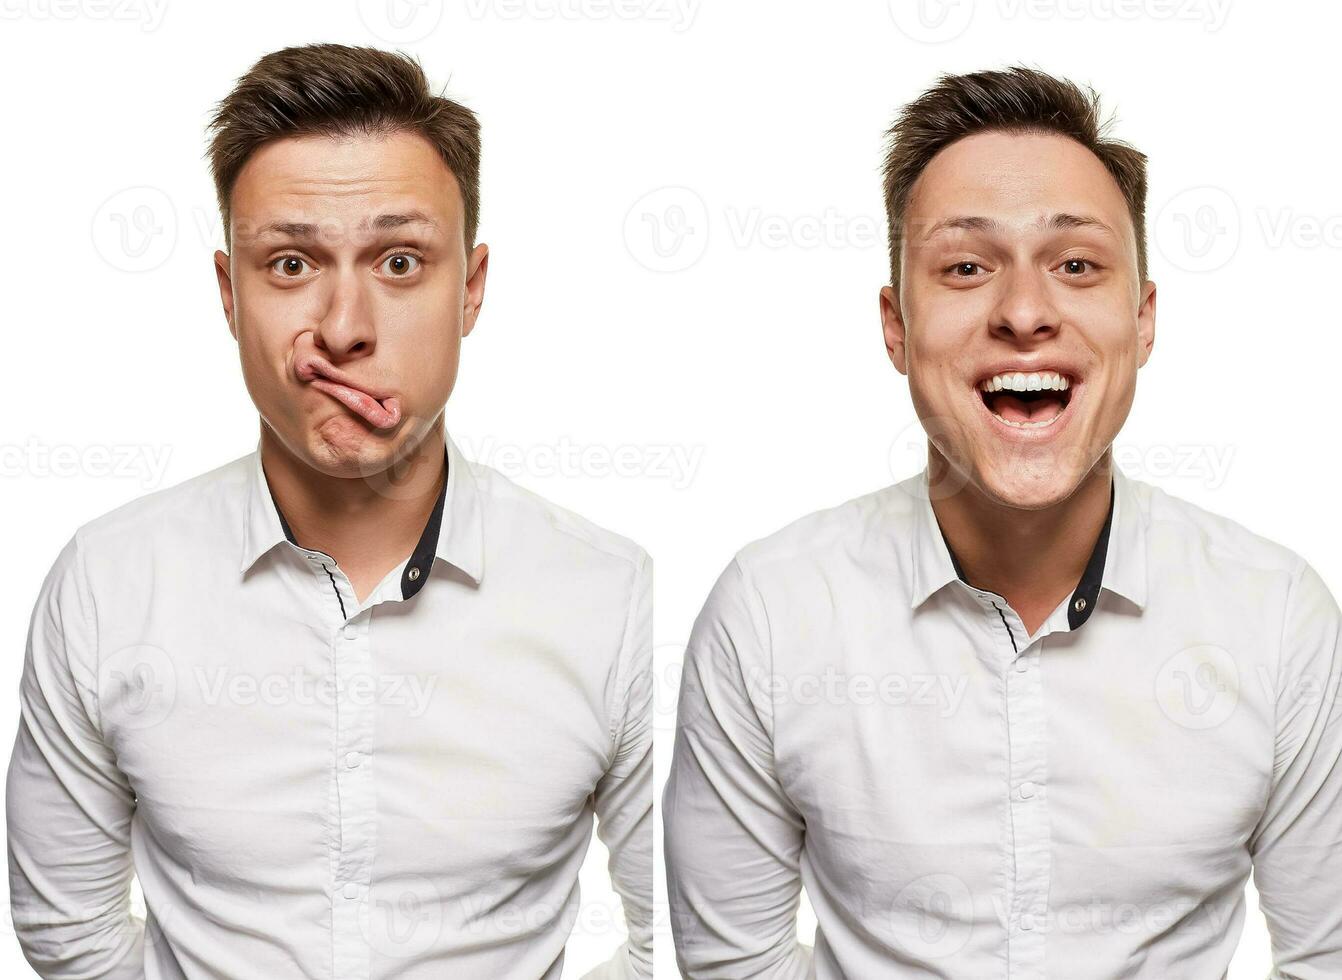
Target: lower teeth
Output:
[{"x": 1031, "y": 425}]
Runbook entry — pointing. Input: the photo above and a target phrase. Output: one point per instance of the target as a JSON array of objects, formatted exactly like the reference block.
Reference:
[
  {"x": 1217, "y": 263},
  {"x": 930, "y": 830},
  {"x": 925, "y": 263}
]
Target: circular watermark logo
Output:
[
  {"x": 401, "y": 21},
  {"x": 137, "y": 687},
  {"x": 1199, "y": 686},
  {"x": 933, "y": 915},
  {"x": 909, "y": 453},
  {"x": 1198, "y": 230},
  {"x": 403, "y": 918},
  {"x": 931, "y": 21},
  {"x": 667, "y": 229},
  {"x": 135, "y": 230}
]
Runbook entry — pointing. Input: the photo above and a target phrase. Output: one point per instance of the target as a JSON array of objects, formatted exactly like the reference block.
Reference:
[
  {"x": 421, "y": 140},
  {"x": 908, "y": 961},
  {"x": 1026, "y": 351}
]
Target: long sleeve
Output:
[
  {"x": 68, "y": 806},
  {"x": 732, "y": 838},
  {"x": 1297, "y": 845},
  {"x": 623, "y": 797}
]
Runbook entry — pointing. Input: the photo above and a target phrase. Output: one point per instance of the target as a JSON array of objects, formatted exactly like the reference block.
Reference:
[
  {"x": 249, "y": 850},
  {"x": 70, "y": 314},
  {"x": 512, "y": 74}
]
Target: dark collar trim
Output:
[
  {"x": 1087, "y": 591},
  {"x": 421, "y": 559}
]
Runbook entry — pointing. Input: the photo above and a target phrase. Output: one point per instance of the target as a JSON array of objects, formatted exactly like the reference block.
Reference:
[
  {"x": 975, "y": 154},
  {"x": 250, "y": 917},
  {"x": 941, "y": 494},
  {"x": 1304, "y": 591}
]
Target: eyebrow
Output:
[
  {"x": 305, "y": 231},
  {"x": 1054, "y": 222}
]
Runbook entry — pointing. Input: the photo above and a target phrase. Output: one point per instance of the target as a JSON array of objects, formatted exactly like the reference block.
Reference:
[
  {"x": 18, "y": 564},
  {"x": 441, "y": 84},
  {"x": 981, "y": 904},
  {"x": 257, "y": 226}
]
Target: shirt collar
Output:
[
  {"x": 1117, "y": 561},
  {"x": 454, "y": 531}
]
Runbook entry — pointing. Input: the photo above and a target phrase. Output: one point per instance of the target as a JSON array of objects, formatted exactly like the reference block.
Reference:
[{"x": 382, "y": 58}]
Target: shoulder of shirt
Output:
[
  {"x": 830, "y": 529},
  {"x": 499, "y": 490},
  {"x": 189, "y": 506},
  {"x": 1219, "y": 537}
]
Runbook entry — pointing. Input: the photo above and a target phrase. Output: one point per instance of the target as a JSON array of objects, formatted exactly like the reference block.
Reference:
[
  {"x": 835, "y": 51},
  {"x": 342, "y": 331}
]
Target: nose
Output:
[
  {"x": 345, "y": 330},
  {"x": 1024, "y": 311}
]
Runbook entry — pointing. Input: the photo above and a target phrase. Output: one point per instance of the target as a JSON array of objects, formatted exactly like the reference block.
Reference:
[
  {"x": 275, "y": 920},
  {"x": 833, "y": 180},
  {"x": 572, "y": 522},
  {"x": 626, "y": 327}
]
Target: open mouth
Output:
[{"x": 1032, "y": 400}]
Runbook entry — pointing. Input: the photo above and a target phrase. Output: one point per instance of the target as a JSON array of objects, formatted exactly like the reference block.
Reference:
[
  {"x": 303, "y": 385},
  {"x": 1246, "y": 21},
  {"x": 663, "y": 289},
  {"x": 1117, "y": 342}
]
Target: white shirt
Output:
[
  {"x": 314, "y": 787},
  {"x": 961, "y": 800}
]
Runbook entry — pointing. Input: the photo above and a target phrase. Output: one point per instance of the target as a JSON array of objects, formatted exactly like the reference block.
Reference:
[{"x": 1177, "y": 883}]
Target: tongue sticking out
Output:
[
  {"x": 1034, "y": 406},
  {"x": 380, "y": 415}
]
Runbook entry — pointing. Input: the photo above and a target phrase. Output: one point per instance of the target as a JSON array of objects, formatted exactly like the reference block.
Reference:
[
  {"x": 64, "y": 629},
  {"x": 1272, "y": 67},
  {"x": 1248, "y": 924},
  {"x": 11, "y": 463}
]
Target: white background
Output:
[{"x": 680, "y": 336}]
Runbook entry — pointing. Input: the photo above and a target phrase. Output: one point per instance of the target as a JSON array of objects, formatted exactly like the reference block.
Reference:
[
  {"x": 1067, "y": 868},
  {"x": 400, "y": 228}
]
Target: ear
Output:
[
  {"x": 221, "y": 272},
  {"x": 477, "y": 267},
  {"x": 892, "y": 326},
  {"x": 1146, "y": 322}
]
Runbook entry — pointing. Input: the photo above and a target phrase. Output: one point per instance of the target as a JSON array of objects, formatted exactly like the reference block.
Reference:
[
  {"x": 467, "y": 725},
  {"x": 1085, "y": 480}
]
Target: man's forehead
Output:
[
  {"x": 299, "y": 224},
  {"x": 927, "y": 229},
  {"x": 314, "y": 186},
  {"x": 1014, "y": 182}
]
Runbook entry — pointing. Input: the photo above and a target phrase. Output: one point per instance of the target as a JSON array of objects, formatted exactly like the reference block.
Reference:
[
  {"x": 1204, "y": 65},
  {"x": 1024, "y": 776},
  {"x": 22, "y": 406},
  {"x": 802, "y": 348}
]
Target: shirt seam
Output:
[
  {"x": 89, "y": 615},
  {"x": 619, "y": 704},
  {"x": 1291, "y": 588},
  {"x": 1275, "y": 777},
  {"x": 766, "y": 645}
]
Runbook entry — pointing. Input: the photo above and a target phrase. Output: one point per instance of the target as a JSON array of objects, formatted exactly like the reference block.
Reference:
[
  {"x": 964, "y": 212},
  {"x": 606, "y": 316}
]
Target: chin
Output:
[
  {"x": 343, "y": 446},
  {"x": 1027, "y": 485}
]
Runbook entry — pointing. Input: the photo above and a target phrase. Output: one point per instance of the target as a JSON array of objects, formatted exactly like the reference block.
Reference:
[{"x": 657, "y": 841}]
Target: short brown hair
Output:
[
  {"x": 338, "y": 90},
  {"x": 1016, "y": 99}
]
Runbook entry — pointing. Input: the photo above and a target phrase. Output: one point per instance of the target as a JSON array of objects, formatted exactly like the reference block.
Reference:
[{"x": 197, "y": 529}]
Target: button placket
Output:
[
  {"x": 354, "y": 800},
  {"x": 1029, "y": 819}
]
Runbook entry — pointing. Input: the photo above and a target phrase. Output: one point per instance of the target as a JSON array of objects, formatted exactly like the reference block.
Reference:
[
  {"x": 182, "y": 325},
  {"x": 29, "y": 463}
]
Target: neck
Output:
[
  {"x": 1032, "y": 558},
  {"x": 367, "y": 523}
]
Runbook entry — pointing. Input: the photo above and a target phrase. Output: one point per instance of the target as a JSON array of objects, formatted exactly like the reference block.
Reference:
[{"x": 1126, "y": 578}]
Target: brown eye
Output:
[
  {"x": 289, "y": 266},
  {"x": 400, "y": 265},
  {"x": 1077, "y": 267}
]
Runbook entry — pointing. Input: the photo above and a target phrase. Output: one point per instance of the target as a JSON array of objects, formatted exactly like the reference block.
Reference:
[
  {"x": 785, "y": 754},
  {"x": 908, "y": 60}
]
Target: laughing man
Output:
[{"x": 1147, "y": 692}]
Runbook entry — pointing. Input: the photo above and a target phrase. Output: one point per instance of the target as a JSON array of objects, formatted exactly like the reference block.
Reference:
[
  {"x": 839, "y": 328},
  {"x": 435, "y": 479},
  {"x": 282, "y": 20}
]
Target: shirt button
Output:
[
  {"x": 1027, "y": 922},
  {"x": 351, "y": 891},
  {"x": 1026, "y": 790},
  {"x": 1080, "y": 604},
  {"x": 348, "y": 631},
  {"x": 1022, "y": 665},
  {"x": 413, "y": 574},
  {"x": 352, "y": 760}
]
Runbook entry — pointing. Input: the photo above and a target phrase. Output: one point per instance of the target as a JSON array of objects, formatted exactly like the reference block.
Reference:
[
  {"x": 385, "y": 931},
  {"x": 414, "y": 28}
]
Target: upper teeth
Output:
[{"x": 1037, "y": 381}]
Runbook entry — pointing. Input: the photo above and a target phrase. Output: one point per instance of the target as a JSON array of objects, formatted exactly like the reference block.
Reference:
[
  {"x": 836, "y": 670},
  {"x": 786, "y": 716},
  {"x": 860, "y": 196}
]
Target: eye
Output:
[
  {"x": 963, "y": 270},
  {"x": 290, "y": 266},
  {"x": 1077, "y": 267},
  {"x": 400, "y": 265}
]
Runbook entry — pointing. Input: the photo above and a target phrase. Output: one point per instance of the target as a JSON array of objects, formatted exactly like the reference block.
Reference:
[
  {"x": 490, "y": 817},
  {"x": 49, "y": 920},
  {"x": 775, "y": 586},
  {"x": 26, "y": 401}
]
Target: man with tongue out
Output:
[
  {"x": 350, "y": 703},
  {"x": 1017, "y": 715}
]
